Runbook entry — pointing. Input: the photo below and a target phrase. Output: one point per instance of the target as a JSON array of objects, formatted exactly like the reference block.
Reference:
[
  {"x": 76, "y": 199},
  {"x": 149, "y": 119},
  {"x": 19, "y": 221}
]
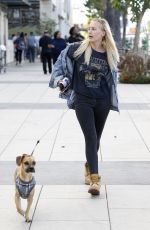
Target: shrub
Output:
[
  {"x": 148, "y": 64},
  {"x": 136, "y": 80},
  {"x": 131, "y": 68}
]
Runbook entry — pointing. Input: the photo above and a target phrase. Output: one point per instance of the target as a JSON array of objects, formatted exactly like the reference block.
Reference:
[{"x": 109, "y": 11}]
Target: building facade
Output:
[
  {"x": 3, "y": 24},
  {"x": 23, "y": 13},
  {"x": 59, "y": 11},
  {"x": 4, "y": 33},
  {"x": 79, "y": 17},
  {"x": 30, "y": 13}
]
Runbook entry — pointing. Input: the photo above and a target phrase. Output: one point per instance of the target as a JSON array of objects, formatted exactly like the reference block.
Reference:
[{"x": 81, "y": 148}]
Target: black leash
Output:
[{"x": 55, "y": 123}]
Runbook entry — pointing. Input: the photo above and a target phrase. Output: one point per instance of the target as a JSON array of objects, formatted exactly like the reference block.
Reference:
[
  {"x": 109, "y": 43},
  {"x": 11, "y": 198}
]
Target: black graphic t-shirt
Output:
[{"x": 89, "y": 80}]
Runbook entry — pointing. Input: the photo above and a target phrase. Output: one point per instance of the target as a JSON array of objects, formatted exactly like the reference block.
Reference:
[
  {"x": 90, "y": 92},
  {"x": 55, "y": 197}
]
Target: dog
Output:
[{"x": 24, "y": 183}]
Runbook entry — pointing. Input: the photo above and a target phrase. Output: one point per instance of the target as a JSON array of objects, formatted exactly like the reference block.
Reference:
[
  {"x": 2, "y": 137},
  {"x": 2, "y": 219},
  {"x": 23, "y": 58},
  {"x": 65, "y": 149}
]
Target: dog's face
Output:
[{"x": 27, "y": 163}]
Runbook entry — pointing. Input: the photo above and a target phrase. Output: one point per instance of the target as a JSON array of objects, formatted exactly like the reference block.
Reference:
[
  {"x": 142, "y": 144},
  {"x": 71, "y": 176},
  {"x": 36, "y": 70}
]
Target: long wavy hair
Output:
[{"x": 108, "y": 44}]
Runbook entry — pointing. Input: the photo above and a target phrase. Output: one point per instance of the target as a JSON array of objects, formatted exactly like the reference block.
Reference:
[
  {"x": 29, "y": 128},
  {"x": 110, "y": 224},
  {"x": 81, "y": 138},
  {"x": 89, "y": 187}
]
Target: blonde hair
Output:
[{"x": 108, "y": 44}]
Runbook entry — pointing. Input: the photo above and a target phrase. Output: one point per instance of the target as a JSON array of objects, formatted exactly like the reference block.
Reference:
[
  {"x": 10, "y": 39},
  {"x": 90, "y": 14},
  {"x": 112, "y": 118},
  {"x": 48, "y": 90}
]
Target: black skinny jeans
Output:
[{"x": 92, "y": 114}]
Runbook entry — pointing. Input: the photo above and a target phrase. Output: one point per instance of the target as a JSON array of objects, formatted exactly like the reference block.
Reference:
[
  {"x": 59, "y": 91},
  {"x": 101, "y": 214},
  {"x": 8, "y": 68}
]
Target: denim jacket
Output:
[{"x": 64, "y": 68}]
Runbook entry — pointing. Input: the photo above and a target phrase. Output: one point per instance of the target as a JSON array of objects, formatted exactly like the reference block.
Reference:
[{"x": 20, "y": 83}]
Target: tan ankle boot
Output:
[
  {"x": 95, "y": 184},
  {"x": 87, "y": 174}
]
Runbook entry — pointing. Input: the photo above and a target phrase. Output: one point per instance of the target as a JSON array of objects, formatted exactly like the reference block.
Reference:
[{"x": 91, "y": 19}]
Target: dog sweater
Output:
[{"x": 24, "y": 188}]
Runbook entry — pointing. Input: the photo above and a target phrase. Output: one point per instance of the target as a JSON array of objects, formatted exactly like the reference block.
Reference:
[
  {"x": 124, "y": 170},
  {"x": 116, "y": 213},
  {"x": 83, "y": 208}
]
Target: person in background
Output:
[
  {"x": 31, "y": 46},
  {"x": 75, "y": 36},
  {"x": 26, "y": 46},
  {"x": 14, "y": 37},
  {"x": 19, "y": 44},
  {"x": 59, "y": 44},
  {"x": 45, "y": 43}
]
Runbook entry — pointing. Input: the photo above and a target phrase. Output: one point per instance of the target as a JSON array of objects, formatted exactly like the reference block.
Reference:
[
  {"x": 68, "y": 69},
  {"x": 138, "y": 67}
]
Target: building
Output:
[
  {"x": 79, "y": 17},
  {"x": 3, "y": 24},
  {"x": 59, "y": 11},
  {"x": 4, "y": 31},
  {"x": 23, "y": 13},
  {"x": 19, "y": 15},
  {"x": 10, "y": 14}
]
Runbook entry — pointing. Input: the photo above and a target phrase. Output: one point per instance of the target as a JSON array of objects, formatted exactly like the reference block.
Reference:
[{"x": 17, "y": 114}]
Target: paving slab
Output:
[
  {"x": 70, "y": 225},
  {"x": 72, "y": 207},
  {"x": 129, "y": 207},
  {"x": 130, "y": 219},
  {"x": 128, "y": 197},
  {"x": 9, "y": 218}
]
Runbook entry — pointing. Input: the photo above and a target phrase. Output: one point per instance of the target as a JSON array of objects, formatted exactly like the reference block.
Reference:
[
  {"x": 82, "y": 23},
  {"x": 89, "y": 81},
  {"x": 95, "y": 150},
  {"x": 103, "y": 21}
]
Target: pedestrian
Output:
[
  {"x": 31, "y": 46},
  {"x": 91, "y": 70},
  {"x": 75, "y": 36},
  {"x": 25, "y": 52},
  {"x": 19, "y": 44},
  {"x": 59, "y": 44},
  {"x": 45, "y": 43}
]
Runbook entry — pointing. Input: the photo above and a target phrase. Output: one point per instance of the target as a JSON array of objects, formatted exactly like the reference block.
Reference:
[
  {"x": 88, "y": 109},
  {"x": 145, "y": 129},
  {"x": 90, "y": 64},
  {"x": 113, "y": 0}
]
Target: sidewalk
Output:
[{"x": 28, "y": 107}]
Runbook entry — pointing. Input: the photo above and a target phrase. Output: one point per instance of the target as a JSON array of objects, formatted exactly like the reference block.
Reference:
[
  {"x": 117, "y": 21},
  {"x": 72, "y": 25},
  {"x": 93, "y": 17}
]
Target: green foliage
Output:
[
  {"x": 142, "y": 79},
  {"x": 121, "y": 5},
  {"x": 95, "y": 8},
  {"x": 128, "y": 43},
  {"x": 47, "y": 25},
  {"x": 145, "y": 43},
  {"x": 138, "y": 7},
  {"x": 25, "y": 29}
]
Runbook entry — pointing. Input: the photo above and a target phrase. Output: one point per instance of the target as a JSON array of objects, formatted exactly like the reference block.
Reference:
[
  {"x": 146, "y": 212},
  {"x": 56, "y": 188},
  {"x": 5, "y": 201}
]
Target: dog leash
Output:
[{"x": 53, "y": 125}]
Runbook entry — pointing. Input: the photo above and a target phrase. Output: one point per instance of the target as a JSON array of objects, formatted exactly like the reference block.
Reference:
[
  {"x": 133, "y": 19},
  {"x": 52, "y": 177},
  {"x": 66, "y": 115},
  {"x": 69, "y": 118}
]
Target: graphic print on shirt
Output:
[{"x": 98, "y": 68}]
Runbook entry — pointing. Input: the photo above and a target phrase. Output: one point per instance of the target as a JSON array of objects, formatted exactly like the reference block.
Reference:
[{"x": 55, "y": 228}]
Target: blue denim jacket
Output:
[{"x": 64, "y": 68}]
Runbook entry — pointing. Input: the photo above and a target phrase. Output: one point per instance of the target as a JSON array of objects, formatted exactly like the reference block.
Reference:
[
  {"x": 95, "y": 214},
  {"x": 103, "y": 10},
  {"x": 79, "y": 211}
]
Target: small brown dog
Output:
[{"x": 25, "y": 183}]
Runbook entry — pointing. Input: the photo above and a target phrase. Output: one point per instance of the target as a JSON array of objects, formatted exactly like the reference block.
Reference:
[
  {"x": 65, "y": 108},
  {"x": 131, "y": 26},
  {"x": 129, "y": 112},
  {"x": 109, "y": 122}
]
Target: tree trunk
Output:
[
  {"x": 113, "y": 18},
  {"x": 137, "y": 33},
  {"x": 124, "y": 20}
]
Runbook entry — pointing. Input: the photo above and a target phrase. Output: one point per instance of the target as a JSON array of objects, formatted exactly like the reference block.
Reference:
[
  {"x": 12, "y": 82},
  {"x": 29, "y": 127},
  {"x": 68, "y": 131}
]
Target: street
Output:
[{"x": 29, "y": 111}]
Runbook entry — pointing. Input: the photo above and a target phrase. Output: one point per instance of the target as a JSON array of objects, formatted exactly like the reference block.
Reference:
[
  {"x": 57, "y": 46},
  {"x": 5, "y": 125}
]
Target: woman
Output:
[
  {"x": 59, "y": 44},
  {"x": 20, "y": 46},
  {"x": 94, "y": 77}
]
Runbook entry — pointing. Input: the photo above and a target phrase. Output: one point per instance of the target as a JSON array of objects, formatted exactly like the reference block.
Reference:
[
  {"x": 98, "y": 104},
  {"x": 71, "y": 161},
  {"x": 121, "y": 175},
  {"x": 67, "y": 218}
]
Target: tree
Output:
[
  {"x": 103, "y": 8},
  {"x": 138, "y": 8},
  {"x": 122, "y": 6},
  {"x": 95, "y": 8},
  {"x": 113, "y": 17},
  {"x": 46, "y": 25}
]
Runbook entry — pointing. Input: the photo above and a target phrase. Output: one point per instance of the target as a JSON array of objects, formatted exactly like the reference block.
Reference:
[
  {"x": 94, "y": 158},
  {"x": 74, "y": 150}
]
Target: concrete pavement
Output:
[{"x": 28, "y": 107}]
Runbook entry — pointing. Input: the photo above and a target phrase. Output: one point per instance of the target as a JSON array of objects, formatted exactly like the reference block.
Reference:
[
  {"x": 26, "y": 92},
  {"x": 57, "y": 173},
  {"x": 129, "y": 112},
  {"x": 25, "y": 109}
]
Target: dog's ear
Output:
[{"x": 19, "y": 159}]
